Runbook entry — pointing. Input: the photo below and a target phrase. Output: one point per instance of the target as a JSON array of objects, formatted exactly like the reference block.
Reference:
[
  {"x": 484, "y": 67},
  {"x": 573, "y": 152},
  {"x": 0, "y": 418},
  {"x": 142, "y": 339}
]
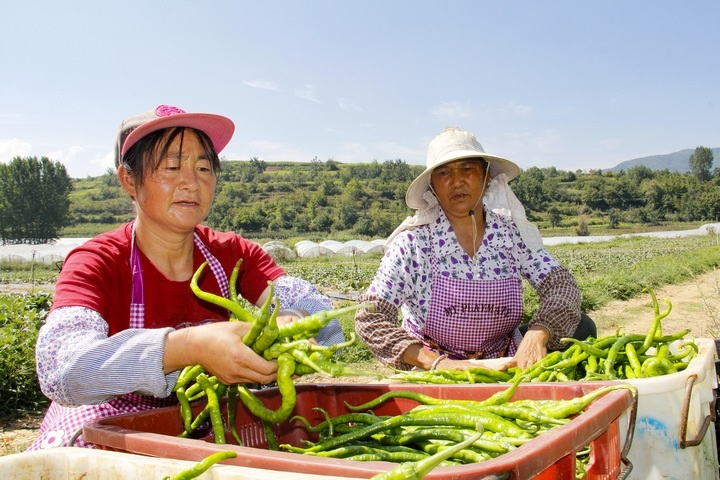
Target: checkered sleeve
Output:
[
  {"x": 559, "y": 310},
  {"x": 382, "y": 333}
]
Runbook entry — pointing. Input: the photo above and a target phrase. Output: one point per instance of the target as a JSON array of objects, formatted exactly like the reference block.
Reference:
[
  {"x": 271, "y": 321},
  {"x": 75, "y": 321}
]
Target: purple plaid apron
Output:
[
  {"x": 61, "y": 423},
  {"x": 470, "y": 318}
]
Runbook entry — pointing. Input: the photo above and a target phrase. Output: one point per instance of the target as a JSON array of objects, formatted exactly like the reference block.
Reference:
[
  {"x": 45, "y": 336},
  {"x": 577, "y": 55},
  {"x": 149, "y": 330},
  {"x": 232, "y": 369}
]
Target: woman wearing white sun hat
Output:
[
  {"x": 455, "y": 270},
  {"x": 124, "y": 320}
]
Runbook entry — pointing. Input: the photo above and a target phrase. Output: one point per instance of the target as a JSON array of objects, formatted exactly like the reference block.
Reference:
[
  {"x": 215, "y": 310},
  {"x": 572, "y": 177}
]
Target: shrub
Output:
[{"x": 21, "y": 317}]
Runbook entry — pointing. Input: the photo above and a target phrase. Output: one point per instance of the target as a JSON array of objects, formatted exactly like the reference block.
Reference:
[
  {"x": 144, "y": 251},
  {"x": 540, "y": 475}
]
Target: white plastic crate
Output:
[{"x": 68, "y": 463}]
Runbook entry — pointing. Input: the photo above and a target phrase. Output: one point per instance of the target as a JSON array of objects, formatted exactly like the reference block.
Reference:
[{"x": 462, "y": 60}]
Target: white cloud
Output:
[
  {"x": 451, "y": 111},
  {"x": 608, "y": 143},
  {"x": 9, "y": 117},
  {"x": 352, "y": 152},
  {"x": 392, "y": 151},
  {"x": 348, "y": 106},
  {"x": 66, "y": 156},
  {"x": 307, "y": 92},
  {"x": 276, "y": 152},
  {"x": 262, "y": 84},
  {"x": 517, "y": 109},
  {"x": 545, "y": 141},
  {"x": 13, "y": 147}
]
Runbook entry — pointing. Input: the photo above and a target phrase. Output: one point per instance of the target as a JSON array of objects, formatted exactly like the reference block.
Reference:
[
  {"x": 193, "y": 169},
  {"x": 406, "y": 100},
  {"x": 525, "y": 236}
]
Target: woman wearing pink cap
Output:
[
  {"x": 455, "y": 271},
  {"x": 124, "y": 320}
]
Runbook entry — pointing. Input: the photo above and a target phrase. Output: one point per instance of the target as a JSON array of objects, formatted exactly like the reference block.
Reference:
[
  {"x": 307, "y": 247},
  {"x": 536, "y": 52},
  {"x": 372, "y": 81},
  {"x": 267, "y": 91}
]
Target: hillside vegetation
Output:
[{"x": 319, "y": 200}]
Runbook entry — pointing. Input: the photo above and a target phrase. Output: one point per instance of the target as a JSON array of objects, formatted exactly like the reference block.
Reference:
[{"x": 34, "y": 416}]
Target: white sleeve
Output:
[{"x": 78, "y": 364}]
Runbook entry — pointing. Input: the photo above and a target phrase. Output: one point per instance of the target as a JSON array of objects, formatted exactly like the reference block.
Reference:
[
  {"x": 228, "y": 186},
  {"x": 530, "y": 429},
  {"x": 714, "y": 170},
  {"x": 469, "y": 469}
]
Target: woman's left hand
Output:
[{"x": 531, "y": 350}]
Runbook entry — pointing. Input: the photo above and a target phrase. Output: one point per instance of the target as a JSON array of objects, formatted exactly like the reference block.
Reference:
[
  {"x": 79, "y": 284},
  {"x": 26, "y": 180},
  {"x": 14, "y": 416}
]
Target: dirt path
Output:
[{"x": 695, "y": 305}]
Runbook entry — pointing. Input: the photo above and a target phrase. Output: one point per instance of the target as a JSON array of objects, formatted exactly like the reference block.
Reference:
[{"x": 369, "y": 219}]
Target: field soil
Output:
[{"x": 695, "y": 305}]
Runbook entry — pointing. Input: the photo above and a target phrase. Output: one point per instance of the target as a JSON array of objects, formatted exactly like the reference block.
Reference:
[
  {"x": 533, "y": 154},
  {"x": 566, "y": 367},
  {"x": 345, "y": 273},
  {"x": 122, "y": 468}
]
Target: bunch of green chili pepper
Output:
[
  {"x": 613, "y": 357},
  {"x": 289, "y": 344},
  {"x": 467, "y": 431}
]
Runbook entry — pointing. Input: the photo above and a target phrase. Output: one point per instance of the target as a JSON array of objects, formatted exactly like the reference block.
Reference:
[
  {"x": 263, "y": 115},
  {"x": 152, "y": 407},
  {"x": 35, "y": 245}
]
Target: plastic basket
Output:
[{"x": 549, "y": 456}]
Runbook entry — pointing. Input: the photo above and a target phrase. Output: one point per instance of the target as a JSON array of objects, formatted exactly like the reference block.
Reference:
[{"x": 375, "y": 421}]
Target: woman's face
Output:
[
  {"x": 178, "y": 195},
  {"x": 459, "y": 186}
]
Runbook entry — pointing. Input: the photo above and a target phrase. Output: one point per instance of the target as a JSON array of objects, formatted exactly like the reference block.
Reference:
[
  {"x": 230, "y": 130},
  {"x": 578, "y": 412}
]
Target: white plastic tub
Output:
[
  {"x": 68, "y": 463},
  {"x": 674, "y": 432}
]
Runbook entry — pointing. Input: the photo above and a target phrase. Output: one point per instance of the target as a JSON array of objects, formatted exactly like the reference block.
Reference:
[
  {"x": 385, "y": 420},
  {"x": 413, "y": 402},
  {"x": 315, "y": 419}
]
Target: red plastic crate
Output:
[{"x": 549, "y": 456}]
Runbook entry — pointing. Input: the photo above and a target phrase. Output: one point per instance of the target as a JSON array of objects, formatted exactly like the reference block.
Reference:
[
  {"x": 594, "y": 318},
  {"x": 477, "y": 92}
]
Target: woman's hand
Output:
[
  {"x": 532, "y": 349},
  {"x": 426, "y": 359},
  {"x": 450, "y": 364},
  {"x": 219, "y": 348}
]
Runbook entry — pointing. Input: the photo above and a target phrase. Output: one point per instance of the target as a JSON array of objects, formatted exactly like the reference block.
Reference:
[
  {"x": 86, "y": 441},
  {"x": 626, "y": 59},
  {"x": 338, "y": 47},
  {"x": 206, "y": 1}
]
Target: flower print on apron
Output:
[
  {"x": 472, "y": 319},
  {"x": 62, "y": 426}
]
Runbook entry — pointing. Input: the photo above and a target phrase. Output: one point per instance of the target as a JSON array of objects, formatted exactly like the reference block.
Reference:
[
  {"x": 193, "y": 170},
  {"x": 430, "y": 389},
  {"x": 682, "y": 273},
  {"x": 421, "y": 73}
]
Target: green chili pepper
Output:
[
  {"x": 268, "y": 334},
  {"x": 418, "y": 470},
  {"x": 259, "y": 322},
  {"x": 204, "y": 413},
  {"x": 576, "y": 405},
  {"x": 465, "y": 455},
  {"x": 270, "y": 435},
  {"x": 497, "y": 398},
  {"x": 187, "y": 375},
  {"x": 195, "y": 392},
  {"x": 228, "y": 304},
  {"x": 362, "y": 418},
  {"x": 232, "y": 392},
  {"x": 185, "y": 410},
  {"x": 278, "y": 348},
  {"x": 233, "y": 280},
  {"x": 452, "y": 434},
  {"x": 655, "y": 367},
  {"x": 613, "y": 353},
  {"x": 656, "y": 327},
  {"x": 286, "y": 368},
  {"x": 214, "y": 408},
  {"x": 313, "y": 323},
  {"x": 687, "y": 350},
  {"x": 203, "y": 466}
]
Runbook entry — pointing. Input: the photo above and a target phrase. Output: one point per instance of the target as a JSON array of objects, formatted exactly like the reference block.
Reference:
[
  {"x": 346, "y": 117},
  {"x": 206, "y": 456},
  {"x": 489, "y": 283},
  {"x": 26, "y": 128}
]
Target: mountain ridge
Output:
[{"x": 675, "y": 162}]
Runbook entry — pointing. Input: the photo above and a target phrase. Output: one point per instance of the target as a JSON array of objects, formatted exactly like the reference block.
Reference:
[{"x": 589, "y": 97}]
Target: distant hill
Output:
[{"x": 674, "y": 162}]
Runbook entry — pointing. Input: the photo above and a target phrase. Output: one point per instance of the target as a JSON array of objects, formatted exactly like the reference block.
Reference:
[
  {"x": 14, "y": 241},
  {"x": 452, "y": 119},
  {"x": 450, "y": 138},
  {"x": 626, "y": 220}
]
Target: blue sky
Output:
[{"x": 570, "y": 84}]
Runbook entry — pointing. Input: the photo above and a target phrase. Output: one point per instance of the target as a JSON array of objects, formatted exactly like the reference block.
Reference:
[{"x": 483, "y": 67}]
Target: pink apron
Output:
[
  {"x": 473, "y": 318},
  {"x": 62, "y": 426}
]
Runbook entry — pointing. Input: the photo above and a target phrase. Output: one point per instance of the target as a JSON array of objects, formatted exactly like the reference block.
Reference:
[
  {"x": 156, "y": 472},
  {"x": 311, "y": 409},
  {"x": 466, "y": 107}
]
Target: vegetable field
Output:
[{"x": 616, "y": 270}]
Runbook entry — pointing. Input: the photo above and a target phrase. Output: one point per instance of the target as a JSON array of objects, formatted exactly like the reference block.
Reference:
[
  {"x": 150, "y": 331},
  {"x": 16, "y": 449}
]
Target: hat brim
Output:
[
  {"x": 498, "y": 165},
  {"x": 218, "y": 128}
]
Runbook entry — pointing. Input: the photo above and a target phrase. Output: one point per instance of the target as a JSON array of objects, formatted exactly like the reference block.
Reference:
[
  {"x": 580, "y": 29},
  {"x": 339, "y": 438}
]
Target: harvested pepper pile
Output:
[{"x": 613, "y": 357}]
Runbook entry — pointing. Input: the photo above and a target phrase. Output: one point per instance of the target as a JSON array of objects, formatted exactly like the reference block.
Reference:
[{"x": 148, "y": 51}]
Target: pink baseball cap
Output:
[{"x": 220, "y": 129}]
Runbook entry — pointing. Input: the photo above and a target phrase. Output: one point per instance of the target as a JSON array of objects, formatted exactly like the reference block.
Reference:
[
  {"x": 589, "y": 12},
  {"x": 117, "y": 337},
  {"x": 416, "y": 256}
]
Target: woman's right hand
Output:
[{"x": 219, "y": 348}]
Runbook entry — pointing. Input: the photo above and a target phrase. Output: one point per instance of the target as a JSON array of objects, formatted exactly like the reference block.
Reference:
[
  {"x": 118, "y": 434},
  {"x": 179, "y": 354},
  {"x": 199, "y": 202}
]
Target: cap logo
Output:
[{"x": 168, "y": 110}]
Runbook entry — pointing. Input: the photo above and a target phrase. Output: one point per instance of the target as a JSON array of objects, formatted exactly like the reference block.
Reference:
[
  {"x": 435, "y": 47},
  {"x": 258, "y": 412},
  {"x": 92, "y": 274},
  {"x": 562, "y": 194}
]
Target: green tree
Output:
[
  {"x": 528, "y": 187},
  {"x": 554, "y": 216},
  {"x": 34, "y": 199},
  {"x": 701, "y": 162}
]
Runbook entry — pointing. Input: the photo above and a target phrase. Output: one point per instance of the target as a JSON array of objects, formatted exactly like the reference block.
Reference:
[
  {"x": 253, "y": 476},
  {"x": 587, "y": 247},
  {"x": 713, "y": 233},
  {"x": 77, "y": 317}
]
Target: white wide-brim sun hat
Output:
[{"x": 450, "y": 145}]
